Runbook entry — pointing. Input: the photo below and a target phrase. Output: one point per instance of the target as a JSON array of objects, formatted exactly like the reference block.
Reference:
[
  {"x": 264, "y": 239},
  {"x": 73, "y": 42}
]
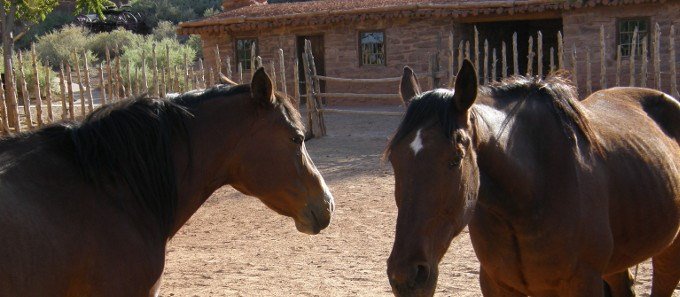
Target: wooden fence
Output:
[{"x": 115, "y": 80}]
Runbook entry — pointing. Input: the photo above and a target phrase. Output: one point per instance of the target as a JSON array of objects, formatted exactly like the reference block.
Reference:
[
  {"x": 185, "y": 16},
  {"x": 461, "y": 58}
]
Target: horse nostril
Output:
[{"x": 422, "y": 274}]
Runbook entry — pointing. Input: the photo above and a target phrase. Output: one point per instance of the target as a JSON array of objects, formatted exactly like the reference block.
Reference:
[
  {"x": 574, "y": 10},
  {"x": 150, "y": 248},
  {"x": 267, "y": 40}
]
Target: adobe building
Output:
[{"x": 376, "y": 38}]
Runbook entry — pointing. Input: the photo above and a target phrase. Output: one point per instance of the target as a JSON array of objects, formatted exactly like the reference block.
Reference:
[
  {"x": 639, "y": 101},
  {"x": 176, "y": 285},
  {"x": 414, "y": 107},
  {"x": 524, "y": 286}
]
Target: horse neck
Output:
[{"x": 213, "y": 133}]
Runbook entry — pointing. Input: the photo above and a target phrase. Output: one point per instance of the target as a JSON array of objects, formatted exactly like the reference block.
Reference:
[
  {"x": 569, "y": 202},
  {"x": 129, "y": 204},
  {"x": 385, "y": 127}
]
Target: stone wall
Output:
[{"x": 582, "y": 31}]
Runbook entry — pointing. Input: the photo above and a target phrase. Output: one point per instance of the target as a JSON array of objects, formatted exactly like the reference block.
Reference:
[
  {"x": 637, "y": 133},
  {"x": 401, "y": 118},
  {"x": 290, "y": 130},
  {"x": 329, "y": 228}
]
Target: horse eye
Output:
[
  {"x": 455, "y": 163},
  {"x": 298, "y": 139}
]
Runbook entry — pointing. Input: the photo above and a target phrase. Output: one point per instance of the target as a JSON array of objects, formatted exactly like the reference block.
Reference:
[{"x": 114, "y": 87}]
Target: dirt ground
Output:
[{"x": 235, "y": 246}]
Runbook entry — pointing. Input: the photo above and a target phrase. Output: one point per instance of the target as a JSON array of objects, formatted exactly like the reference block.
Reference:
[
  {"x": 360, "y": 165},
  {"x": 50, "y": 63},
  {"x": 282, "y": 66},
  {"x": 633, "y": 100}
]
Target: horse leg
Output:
[
  {"x": 586, "y": 283},
  {"x": 620, "y": 284},
  {"x": 666, "y": 270},
  {"x": 491, "y": 288}
]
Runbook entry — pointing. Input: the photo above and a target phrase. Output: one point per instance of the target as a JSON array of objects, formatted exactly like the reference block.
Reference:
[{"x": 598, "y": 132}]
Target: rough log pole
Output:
[
  {"x": 228, "y": 65},
  {"x": 185, "y": 73},
  {"x": 69, "y": 87},
  {"x": 461, "y": 49},
  {"x": 48, "y": 93},
  {"x": 539, "y": 51},
  {"x": 282, "y": 75},
  {"x": 674, "y": 65},
  {"x": 530, "y": 57},
  {"x": 296, "y": 83},
  {"x": 486, "y": 62},
  {"x": 657, "y": 58},
  {"x": 38, "y": 97},
  {"x": 164, "y": 86},
  {"x": 90, "y": 96},
  {"x": 118, "y": 78},
  {"x": 603, "y": 60},
  {"x": 239, "y": 67},
  {"x": 176, "y": 87},
  {"x": 211, "y": 76},
  {"x": 493, "y": 65},
  {"x": 102, "y": 83},
  {"x": 451, "y": 56},
  {"x": 156, "y": 85},
  {"x": 476, "y": 54},
  {"x": 145, "y": 83},
  {"x": 560, "y": 51},
  {"x": 3, "y": 110},
  {"x": 504, "y": 61},
  {"x": 643, "y": 68},
  {"x": 633, "y": 50},
  {"x": 128, "y": 73},
  {"x": 618, "y": 65},
  {"x": 81, "y": 91},
  {"x": 317, "y": 90},
  {"x": 137, "y": 82},
  {"x": 574, "y": 66},
  {"x": 62, "y": 87},
  {"x": 26, "y": 96},
  {"x": 515, "y": 55},
  {"x": 253, "y": 54},
  {"x": 589, "y": 84},
  {"x": 168, "y": 70},
  {"x": 272, "y": 70},
  {"x": 109, "y": 72},
  {"x": 201, "y": 74},
  {"x": 552, "y": 60},
  {"x": 467, "y": 50},
  {"x": 311, "y": 115},
  {"x": 218, "y": 62}
]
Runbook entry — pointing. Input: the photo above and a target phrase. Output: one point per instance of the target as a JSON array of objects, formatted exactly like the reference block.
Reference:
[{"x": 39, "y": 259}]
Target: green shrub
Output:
[
  {"x": 165, "y": 29},
  {"x": 60, "y": 45},
  {"x": 120, "y": 37},
  {"x": 195, "y": 43},
  {"x": 134, "y": 52}
]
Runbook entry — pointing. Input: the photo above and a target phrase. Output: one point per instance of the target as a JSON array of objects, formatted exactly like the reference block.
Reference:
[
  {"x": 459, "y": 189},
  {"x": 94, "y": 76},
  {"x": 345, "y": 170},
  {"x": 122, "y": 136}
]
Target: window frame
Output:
[
  {"x": 236, "y": 52},
  {"x": 360, "y": 48},
  {"x": 644, "y": 19}
]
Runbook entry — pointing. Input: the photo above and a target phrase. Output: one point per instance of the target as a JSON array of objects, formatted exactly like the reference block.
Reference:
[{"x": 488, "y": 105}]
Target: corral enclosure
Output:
[{"x": 235, "y": 246}]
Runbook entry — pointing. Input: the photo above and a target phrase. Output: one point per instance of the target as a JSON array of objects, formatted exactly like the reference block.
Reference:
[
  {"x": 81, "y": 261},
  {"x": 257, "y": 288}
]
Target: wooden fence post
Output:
[
  {"x": 560, "y": 51},
  {"x": 69, "y": 87},
  {"x": 493, "y": 65},
  {"x": 117, "y": 77},
  {"x": 81, "y": 92},
  {"x": 154, "y": 60},
  {"x": 145, "y": 83},
  {"x": 656, "y": 44},
  {"x": 633, "y": 50},
  {"x": 461, "y": 49},
  {"x": 282, "y": 69},
  {"x": 618, "y": 65},
  {"x": 311, "y": 114},
  {"x": 467, "y": 50},
  {"x": 129, "y": 78},
  {"x": 504, "y": 59},
  {"x": 253, "y": 54},
  {"x": 486, "y": 61},
  {"x": 62, "y": 87},
  {"x": 185, "y": 73},
  {"x": 240, "y": 72},
  {"x": 539, "y": 52},
  {"x": 164, "y": 84},
  {"x": 218, "y": 61},
  {"x": 102, "y": 83},
  {"x": 272, "y": 70},
  {"x": 530, "y": 57},
  {"x": 168, "y": 71},
  {"x": 552, "y": 60},
  {"x": 674, "y": 65},
  {"x": 476, "y": 54},
  {"x": 90, "y": 97},
  {"x": 109, "y": 72},
  {"x": 317, "y": 89},
  {"x": 38, "y": 97},
  {"x": 643, "y": 68},
  {"x": 296, "y": 83},
  {"x": 574, "y": 63},
  {"x": 201, "y": 76},
  {"x": 211, "y": 77},
  {"x": 515, "y": 57},
  {"x": 589, "y": 84},
  {"x": 451, "y": 56},
  {"x": 137, "y": 82},
  {"x": 48, "y": 93},
  {"x": 603, "y": 60},
  {"x": 228, "y": 65},
  {"x": 26, "y": 95},
  {"x": 176, "y": 84},
  {"x": 3, "y": 110}
]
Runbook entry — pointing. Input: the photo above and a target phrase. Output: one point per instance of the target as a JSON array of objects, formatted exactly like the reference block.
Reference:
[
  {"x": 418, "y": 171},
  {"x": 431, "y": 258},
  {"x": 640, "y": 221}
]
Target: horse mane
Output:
[
  {"x": 557, "y": 94},
  {"x": 555, "y": 91}
]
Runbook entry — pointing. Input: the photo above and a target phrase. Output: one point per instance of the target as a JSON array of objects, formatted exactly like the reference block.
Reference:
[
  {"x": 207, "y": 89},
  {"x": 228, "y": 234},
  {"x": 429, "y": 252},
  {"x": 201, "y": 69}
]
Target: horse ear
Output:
[
  {"x": 465, "y": 87},
  {"x": 409, "y": 87},
  {"x": 261, "y": 88},
  {"x": 226, "y": 81}
]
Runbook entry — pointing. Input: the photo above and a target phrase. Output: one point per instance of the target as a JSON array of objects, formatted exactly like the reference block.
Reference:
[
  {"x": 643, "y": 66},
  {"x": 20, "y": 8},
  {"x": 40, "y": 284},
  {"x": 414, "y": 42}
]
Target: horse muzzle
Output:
[{"x": 316, "y": 217}]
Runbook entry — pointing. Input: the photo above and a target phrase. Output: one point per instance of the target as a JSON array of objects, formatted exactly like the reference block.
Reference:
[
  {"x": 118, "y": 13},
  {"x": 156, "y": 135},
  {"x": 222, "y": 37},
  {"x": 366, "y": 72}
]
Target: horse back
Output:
[{"x": 639, "y": 130}]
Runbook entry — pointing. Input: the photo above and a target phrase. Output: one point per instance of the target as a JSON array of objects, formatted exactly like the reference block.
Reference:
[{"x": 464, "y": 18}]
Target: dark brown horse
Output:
[
  {"x": 558, "y": 194},
  {"x": 86, "y": 208}
]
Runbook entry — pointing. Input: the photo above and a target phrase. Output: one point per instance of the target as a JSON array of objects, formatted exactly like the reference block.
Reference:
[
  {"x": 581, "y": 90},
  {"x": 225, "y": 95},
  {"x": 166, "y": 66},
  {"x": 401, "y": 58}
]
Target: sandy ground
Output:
[{"x": 235, "y": 246}]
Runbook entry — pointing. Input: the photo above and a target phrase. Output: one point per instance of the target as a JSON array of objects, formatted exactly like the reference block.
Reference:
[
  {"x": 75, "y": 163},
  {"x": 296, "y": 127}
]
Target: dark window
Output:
[
  {"x": 372, "y": 48},
  {"x": 243, "y": 51},
  {"x": 626, "y": 31}
]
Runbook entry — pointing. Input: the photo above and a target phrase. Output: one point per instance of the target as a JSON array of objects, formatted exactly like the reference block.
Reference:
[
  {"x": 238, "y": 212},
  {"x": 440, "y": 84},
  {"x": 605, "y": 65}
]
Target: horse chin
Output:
[{"x": 307, "y": 227}]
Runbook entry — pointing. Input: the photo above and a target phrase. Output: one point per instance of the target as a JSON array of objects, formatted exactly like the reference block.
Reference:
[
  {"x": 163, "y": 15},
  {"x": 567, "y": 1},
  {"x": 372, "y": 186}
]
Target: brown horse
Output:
[
  {"x": 86, "y": 209},
  {"x": 558, "y": 194}
]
